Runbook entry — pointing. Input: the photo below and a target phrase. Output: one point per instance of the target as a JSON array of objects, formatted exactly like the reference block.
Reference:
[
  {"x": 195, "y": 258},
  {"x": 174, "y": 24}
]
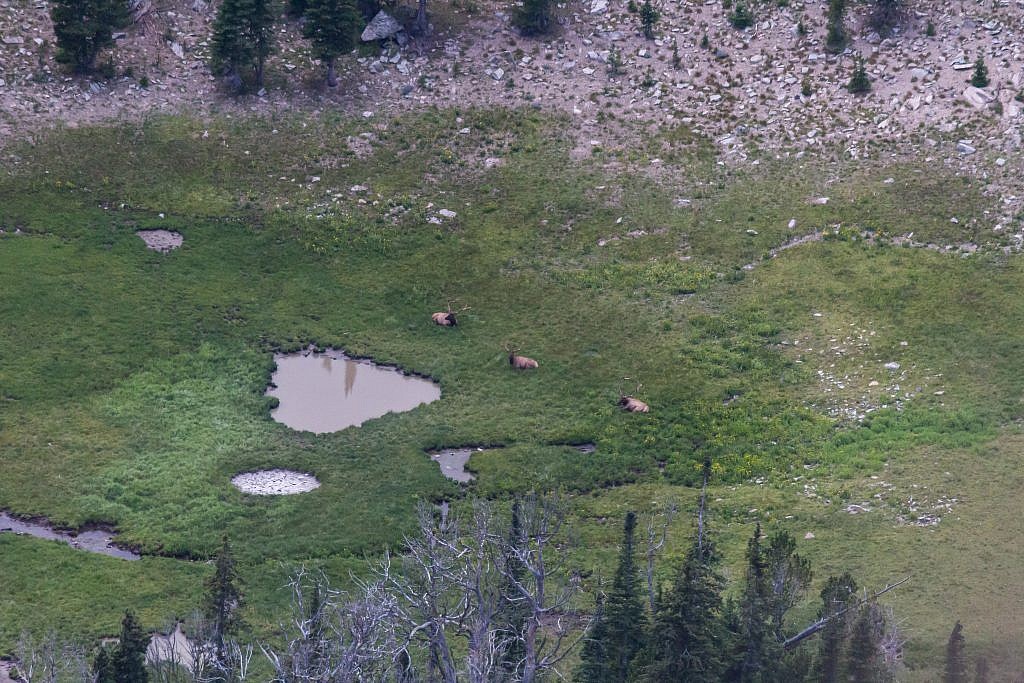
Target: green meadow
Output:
[{"x": 132, "y": 382}]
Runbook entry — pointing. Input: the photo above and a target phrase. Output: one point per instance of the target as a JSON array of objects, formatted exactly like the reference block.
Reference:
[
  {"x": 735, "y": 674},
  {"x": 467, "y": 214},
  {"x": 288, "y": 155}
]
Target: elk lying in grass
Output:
[
  {"x": 519, "y": 362},
  {"x": 447, "y": 318},
  {"x": 632, "y": 404}
]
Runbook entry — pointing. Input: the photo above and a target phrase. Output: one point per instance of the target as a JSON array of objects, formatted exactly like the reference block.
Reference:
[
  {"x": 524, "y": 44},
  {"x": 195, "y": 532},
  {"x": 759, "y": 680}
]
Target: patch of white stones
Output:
[
  {"x": 161, "y": 240},
  {"x": 275, "y": 482}
]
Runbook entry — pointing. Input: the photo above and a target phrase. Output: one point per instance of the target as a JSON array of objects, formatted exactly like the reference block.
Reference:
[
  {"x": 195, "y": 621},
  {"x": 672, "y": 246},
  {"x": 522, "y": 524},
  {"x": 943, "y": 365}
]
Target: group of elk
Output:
[{"x": 630, "y": 404}]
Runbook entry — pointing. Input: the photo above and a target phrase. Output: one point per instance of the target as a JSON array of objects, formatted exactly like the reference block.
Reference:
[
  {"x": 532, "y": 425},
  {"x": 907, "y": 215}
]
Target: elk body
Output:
[
  {"x": 444, "y": 319},
  {"x": 631, "y": 404},
  {"x": 520, "y": 362}
]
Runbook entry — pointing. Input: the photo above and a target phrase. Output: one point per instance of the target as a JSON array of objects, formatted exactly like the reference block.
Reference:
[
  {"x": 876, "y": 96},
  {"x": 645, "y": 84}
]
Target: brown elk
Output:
[
  {"x": 632, "y": 404},
  {"x": 447, "y": 318},
  {"x": 519, "y": 362}
]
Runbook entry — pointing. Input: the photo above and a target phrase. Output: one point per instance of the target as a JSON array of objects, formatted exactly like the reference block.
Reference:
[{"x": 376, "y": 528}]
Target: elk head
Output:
[
  {"x": 519, "y": 362},
  {"x": 632, "y": 404}
]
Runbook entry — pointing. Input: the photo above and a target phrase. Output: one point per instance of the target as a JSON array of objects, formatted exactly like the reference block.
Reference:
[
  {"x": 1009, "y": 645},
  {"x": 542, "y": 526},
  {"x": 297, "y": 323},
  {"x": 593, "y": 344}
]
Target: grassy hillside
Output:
[{"x": 132, "y": 382}]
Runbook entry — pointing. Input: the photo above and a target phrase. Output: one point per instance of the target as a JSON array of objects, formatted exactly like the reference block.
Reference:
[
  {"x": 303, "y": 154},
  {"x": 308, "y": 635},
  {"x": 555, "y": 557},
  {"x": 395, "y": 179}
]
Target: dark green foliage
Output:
[
  {"x": 126, "y": 661},
  {"x": 593, "y": 666},
  {"x": 979, "y": 79},
  {"x": 788, "y": 577},
  {"x": 533, "y": 18},
  {"x": 648, "y": 19},
  {"x": 930, "y": 29},
  {"x": 624, "y": 618},
  {"x": 864, "y": 660},
  {"x": 514, "y": 612},
  {"x": 741, "y": 17},
  {"x": 801, "y": 29},
  {"x": 687, "y": 638},
  {"x": 297, "y": 8},
  {"x": 859, "y": 81},
  {"x": 705, "y": 43},
  {"x": 223, "y": 598},
  {"x": 84, "y": 27},
  {"x": 956, "y": 657},
  {"x": 757, "y": 649},
  {"x": 676, "y": 61},
  {"x": 836, "y": 596},
  {"x": 243, "y": 37},
  {"x": 835, "y": 37},
  {"x": 886, "y": 15},
  {"x": 332, "y": 26}
]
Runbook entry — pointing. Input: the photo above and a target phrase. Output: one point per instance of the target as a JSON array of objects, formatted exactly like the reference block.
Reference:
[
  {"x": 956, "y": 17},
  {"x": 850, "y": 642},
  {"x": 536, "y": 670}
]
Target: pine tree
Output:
[
  {"x": 223, "y": 598},
  {"x": 836, "y": 596},
  {"x": 956, "y": 657},
  {"x": 514, "y": 612},
  {"x": 533, "y": 18},
  {"x": 84, "y": 27},
  {"x": 979, "y": 79},
  {"x": 648, "y": 18},
  {"x": 886, "y": 15},
  {"x": 624, "y": 618},
  {"x": 789, "y": 575},
  {"x": 687, "y": 635},
  {"x": 593, "y": 666},
  {"x": 864, "y": 661},
  {"x": 835, "y": 38},
  {"x": 741, "y": 17},
  {"x": 758, "y": 649},
  {"x": 331, "y": 25},
  {"x": 859, "y": 81},
  {"x": 103, "y": 670},
  {"x": 130, "y": 655},
  {"x": 243, "y": 37}
]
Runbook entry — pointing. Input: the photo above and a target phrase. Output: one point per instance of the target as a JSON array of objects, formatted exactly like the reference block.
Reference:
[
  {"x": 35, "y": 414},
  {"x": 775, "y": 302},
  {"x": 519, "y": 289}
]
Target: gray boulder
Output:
[{"x": 381, "y": 27}]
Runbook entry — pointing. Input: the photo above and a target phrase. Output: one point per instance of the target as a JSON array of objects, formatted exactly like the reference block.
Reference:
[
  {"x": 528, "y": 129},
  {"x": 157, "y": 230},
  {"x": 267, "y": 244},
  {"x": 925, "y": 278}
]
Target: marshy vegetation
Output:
[{"x": 840, "y": 377}]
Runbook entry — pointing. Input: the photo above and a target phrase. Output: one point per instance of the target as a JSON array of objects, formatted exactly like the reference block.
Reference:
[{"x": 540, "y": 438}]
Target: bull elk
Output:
[
  {"x": 631, "y": 404},
  {"x": 447, "y": 318},
  {"x": 519, "y": 362}
]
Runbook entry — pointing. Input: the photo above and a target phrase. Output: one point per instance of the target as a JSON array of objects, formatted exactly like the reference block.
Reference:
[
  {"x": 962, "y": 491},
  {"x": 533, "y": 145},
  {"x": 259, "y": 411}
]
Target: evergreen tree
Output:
[
  {"x": 981, "y": 670},
  {"x": 864, "y": 661},
  {"x": 648, "y": 18},
  {"x": 835, "y": 38},
  {"x": 593, "y": 666},
  {"x": 979, "y": 79},
  {"x": 624, "y": 618},
  {"x": 332, "y": 26},
  {"x": 103, "y": 670},
  {"x": 859, "y": 81},
  {"x": 687, "y": 636},
  {"x": 836, "y": 596},
  {"x": 956, "y": 657},
  {"x": 886, "y": 15},
  {"x": 788, "y": 575},
  {"x": 84, "y": 27},
  {"x": 129, "y": 658},
  {"x": 533, "y": 18},
  {"x": 243, "y": 37},
  {"x": 757, "y": 648},
  {"x": 223, "y": 598},
  {"x": 514, "y": 611},
  {"x": 741, "y": 17}
]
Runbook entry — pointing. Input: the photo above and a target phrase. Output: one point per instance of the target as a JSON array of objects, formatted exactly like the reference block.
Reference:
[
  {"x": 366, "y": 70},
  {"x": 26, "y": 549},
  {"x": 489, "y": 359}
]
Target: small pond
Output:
[
  {"x": 327, "y": 391},
  {"x": 453, "y": 462},
  {"x": 94, "y": 541}
]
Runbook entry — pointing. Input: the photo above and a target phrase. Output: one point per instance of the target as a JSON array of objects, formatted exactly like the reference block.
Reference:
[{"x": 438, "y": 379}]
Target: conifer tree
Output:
[
  {"x": 758, "y": 649},
  {"x": 956, "y": 657},
  {"x": 130, "y": 655},
  {"x": 687, "y": 636},
  {"x": 533, "y": 17},
  {"x": 223, "y": 598},
  {"x": 789, "y": 575},
  {"x": 624, "y": 618},
  {"x": 243, "y": 37},
  {"x": 886, "y": 15},
  {"x": 648, "y": 18},
  {"x": 84, "y": 27},
  {"x": 859, "y": 81},
  {"x": 593, "y": 666},
  {"x": 864, "y": 661},
  {"x": 332, "y": 26},
  {"x": 836, "y": 596},
  {"x": 979, "y": 79},
  {"x": 103, "y": 670},
  {"x": 514, "y": 611},
  {"x": 835, "y": 38}
]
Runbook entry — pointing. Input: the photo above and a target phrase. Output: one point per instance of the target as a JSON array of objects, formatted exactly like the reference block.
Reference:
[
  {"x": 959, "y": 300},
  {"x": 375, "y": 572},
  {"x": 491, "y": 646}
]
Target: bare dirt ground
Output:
[{"x": 745, "y": 91}]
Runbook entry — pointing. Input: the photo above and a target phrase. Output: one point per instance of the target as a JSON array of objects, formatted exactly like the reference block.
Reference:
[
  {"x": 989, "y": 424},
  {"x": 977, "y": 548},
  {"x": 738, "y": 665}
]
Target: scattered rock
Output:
[
  {"x": 161, "y": 240},
  {"x": 381, "y": 27},
  {"x": 275, "y": 482}
]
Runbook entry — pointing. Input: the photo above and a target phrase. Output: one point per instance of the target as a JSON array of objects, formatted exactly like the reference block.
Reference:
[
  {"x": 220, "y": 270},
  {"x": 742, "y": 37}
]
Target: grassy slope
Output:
[{"x": 132, "y": 381}]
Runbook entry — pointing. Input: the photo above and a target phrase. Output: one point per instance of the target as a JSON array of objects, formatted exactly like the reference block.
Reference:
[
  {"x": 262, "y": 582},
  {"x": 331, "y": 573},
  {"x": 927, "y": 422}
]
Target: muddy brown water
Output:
[
  {"x": 327, "y": 391},
  {"x": 93, "y": 541}
]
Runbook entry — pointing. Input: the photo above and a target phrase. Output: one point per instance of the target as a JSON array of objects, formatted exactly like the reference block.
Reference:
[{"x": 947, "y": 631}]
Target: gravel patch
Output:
[
  {"x": 161, "y": 240},
  {"x": 275, "y": 482}
]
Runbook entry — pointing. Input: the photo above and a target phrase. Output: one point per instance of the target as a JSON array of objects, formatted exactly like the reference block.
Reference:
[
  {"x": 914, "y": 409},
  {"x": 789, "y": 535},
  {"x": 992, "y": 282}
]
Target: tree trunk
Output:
[
  {"x": 332, "y": 77},
  {"x": 259, "y": 74},
  {"x": 421, "y": 26}
]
